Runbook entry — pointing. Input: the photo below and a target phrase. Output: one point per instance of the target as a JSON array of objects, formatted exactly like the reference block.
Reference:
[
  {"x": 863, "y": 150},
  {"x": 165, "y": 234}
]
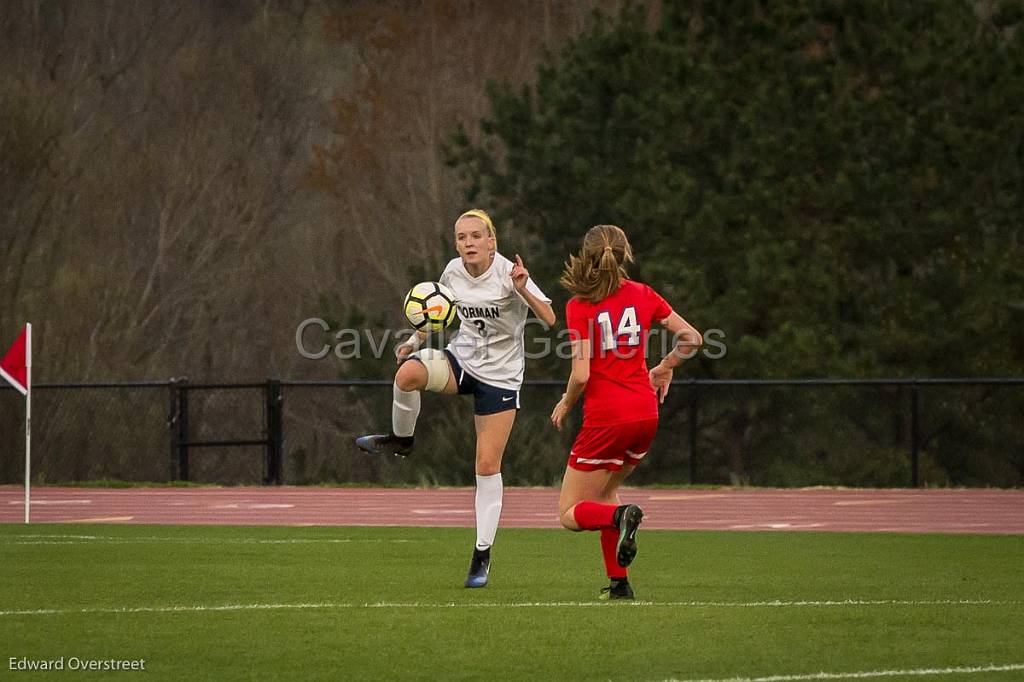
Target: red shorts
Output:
[{"x": 612, "y": 447}]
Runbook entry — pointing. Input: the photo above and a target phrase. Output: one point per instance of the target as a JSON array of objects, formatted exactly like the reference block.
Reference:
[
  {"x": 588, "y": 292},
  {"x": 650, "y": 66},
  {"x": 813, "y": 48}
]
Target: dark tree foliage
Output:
[{"x": 836, "y": 185}]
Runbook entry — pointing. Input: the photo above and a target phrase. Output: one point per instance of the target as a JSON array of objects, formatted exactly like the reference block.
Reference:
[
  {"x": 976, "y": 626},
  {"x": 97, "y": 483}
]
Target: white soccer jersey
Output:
[{"x": 489, "y": 344}]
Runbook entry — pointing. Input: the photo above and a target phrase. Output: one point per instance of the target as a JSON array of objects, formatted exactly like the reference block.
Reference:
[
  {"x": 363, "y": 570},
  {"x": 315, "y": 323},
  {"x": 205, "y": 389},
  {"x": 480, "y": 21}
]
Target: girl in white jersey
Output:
[{"x": 486, "y": 358}]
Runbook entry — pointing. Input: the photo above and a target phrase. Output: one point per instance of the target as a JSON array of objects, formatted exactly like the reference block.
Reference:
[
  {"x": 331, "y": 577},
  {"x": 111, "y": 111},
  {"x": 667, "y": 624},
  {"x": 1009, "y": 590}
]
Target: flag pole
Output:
[{"x": 28, "y": 422}]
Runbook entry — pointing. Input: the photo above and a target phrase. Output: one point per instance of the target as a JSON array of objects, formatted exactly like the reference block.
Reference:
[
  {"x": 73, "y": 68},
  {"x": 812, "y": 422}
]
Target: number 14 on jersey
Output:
[{"x": 627, "y": 327}]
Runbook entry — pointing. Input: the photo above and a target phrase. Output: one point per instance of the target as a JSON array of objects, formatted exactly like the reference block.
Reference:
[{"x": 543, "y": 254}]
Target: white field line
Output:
[
  {"x": 46, "y": 503},
  {"x": 500, "y": 605},
  {"x": 114, "y": 540},
  {"x": 918, "y": 672}
]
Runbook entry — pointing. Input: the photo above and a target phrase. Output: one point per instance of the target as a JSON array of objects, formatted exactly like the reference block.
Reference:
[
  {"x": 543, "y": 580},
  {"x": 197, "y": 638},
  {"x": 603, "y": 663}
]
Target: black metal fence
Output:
[{"x": 863, "y": 432}]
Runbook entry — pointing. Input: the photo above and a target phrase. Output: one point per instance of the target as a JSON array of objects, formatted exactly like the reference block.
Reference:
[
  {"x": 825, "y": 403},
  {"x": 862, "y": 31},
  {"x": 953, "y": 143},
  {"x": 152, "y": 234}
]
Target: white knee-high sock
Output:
[
  {"x": 488, "y": 509},
  {"x": 404, "y": 411}
]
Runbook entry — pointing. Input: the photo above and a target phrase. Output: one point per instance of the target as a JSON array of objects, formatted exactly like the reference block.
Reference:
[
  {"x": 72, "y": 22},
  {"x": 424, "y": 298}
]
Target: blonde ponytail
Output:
[{"x": 599, "y": 268}]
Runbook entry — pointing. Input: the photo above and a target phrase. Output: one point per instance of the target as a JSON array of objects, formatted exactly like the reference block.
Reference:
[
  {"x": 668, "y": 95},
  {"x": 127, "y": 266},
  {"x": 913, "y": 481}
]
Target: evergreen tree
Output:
[{"x": 835, "y": 184}]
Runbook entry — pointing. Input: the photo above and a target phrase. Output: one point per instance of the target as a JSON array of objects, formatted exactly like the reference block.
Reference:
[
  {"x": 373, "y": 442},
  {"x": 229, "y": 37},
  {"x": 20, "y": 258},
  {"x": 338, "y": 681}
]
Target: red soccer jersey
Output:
[{"x": 619, "y": 389}]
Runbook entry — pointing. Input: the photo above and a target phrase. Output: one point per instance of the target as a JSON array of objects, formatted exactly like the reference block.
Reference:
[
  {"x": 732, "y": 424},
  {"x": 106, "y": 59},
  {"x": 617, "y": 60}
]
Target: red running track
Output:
[{"x": 985, "y": 511}]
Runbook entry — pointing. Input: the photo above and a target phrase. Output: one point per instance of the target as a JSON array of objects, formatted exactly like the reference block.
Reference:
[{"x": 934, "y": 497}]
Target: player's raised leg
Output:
[
  {"x": 492, "y": 432},
  {"x": 589, "y": 500},
  {"x": 581, "y": 502},
  {"x": 427, "y": 369}
]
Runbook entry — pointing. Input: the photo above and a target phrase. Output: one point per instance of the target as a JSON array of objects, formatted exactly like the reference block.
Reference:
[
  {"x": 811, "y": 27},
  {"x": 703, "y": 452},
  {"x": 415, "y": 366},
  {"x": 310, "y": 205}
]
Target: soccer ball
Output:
[{"x": 430, "y": 306}]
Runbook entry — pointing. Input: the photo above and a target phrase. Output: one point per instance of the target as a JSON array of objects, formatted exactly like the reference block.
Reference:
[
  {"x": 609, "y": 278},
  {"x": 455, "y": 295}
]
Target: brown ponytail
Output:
[{"x": 600, "y": 267}]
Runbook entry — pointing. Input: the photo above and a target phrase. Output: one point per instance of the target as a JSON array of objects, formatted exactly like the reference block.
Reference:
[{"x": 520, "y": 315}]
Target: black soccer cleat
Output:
[
  {"x": 629, "y": 518},
  {"x": 619, "y": 589},
  {"x": 385, "y": 445},
  {"x": 479, "y": 567}
]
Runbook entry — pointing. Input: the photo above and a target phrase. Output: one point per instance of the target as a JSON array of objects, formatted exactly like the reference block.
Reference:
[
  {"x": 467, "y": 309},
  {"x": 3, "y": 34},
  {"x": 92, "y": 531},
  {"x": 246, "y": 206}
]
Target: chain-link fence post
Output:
[
  {"x": 914, "y": 433},
  {"x": 694, "y": 403},
  {"x": 275, "y": 432},
  {"x": 172, "y": 428},
  {"x": 182, "y": 388}
]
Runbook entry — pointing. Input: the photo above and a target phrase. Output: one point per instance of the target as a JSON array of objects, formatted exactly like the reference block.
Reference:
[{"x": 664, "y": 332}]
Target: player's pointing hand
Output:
[{"x": 519, "y": 274}]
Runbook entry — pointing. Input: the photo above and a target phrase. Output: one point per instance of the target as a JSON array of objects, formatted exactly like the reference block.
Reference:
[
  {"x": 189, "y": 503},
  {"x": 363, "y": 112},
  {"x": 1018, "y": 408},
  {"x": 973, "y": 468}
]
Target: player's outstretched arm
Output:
[
  {"x": 688, "y": 342},
  {"x": 412, "y": 345},
  {"x": 578, "y": 379}
]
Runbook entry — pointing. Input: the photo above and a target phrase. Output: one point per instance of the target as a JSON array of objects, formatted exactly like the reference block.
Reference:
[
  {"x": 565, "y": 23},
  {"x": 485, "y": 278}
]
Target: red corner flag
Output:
[{"x": 14, "y": 366}]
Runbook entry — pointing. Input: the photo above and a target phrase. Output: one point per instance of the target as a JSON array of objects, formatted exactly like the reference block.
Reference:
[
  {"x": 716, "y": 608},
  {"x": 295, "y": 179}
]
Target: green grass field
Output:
[{"x": 367, "y": 603}]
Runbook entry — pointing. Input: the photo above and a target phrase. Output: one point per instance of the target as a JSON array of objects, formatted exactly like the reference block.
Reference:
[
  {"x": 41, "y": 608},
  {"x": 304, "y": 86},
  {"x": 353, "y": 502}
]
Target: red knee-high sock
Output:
[
  {"x": 609, "y": 543},
  {"x": 593, "y": 515}
]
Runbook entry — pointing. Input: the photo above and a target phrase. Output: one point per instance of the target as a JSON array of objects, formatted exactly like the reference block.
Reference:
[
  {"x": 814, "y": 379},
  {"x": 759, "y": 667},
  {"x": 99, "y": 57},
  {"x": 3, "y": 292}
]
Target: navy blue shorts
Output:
[{"x": 487, "y": 399}]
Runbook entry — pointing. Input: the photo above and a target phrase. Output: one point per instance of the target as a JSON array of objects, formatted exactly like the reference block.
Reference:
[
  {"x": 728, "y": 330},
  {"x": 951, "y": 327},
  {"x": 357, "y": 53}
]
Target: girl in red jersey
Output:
[{"x": 609, "y": 319}]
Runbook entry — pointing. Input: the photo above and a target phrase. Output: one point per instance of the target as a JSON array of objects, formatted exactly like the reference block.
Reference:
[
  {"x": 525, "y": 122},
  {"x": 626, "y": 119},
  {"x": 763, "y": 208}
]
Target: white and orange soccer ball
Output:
[{"x": 430, "y": 306}]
